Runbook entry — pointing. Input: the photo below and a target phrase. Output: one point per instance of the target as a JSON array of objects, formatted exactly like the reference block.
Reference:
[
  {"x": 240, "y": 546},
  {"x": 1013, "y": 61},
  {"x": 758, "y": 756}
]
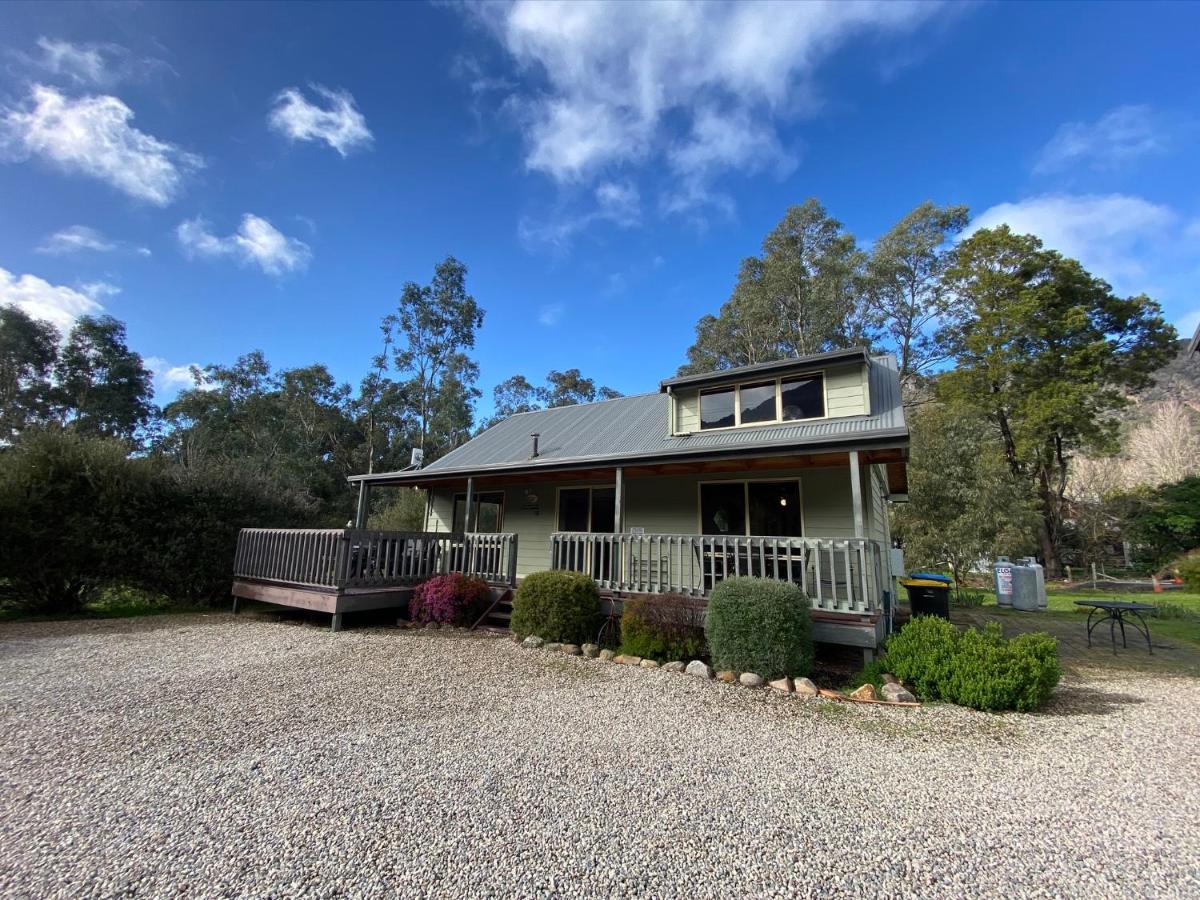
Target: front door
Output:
[{"x": 588, "y": 510}]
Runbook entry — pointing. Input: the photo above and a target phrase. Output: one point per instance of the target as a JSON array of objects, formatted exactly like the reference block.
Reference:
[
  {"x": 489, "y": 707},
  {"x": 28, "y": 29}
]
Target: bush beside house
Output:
[
  {"x": 979, "y": 669},
  {"x": 761, "y": 626},
  {"x": 452, "y": 599},
  {"x": 664, "y": 627},
  {"x": 556, "y": 606}
]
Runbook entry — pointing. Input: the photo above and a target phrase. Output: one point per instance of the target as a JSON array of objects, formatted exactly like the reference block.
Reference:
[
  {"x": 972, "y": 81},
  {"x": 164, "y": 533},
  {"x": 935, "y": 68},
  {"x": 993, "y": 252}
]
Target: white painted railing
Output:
[
  {"x": 341, "y": 558},
  {"x": 837, "y": 574}
]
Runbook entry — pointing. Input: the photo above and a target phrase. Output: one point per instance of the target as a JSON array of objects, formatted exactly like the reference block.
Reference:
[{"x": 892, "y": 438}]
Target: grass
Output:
[{"x": 112, "y": 603}]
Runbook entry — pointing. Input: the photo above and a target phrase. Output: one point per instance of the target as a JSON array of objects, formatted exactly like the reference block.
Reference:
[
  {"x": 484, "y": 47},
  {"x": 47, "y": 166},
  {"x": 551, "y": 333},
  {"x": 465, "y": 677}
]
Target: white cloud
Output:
[
  {"x": 80, "y": 238},
  {"x": 1116, "y": 138},
  {"x": 256, "y": 242},
  {"x": 1115, "y": 236},
  {"x": 102, "y": 65},
  {"x": 169, "y": 379},
  {"x": 617, "y": 202},
  {"x": 54, "y": 303},
  {"x": 338, "y": 123},
  {"x": 97, "y": 290},
  {"x": 550, "y": 314},
  {"x": 93, "y": 136},
  {"x": 608, "y": 82}
]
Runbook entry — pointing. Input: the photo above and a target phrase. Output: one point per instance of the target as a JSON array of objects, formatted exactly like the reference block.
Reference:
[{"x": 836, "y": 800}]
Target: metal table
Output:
[{"x": 1117, "y": 613}]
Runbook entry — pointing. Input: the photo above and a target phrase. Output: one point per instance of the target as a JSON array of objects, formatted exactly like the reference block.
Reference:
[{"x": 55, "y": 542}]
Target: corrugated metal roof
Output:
[
  {"x": 738, "y": 374},
  {"x": 637, "y": 427}
]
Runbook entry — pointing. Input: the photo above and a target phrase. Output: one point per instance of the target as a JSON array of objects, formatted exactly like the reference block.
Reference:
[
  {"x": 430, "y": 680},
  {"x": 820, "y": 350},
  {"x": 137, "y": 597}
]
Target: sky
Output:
[{"x": 231, "y": 177}]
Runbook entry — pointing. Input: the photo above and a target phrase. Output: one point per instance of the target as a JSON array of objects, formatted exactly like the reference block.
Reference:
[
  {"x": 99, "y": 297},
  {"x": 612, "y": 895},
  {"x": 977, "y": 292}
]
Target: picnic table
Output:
[{"x": 1117, "y": 613}]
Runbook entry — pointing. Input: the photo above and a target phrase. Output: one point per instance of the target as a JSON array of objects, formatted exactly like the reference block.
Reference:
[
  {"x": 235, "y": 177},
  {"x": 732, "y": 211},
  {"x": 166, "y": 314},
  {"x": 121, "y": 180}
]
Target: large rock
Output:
[
  {"x": 648, "y": 664},
  {"x": 727, "y": 676},
  {"x": 699, "y": 669},
  {"x": 673, "y": 667},
  {"x": 804, "y": 686},
  {"x": 864, "y": 692},
  {"x": 781, "y": 684},
  {"x": 630, "y": 660},
  {"x": 553, "y": 646},
  {"x": 897, "y": 693},
  {"x": 591, "y": 651},
  {"x": 749, "y": 679},
  {"x": 890, "y": 679},
  {"x": 607, "y": 655},
  {"x": 532, "y": 642},
  {"x": 570, "y": 649}
]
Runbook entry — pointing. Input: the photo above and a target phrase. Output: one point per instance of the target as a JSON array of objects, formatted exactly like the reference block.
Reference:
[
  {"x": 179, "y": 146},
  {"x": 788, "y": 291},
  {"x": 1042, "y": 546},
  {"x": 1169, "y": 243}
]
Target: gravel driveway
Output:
[{"x": 213, "y": 756}]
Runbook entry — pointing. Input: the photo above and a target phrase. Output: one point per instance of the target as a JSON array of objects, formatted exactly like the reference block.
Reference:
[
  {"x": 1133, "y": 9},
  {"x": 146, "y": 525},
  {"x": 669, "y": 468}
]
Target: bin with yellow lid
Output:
[{"x": 928, "y": 594}]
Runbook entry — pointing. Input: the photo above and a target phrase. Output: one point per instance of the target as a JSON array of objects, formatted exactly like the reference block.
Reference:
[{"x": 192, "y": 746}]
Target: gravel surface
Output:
[{"x": 213, "y": 756}]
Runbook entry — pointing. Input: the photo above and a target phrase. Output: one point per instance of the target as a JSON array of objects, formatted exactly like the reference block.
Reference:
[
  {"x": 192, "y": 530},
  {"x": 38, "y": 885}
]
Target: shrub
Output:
[
  {"x": 979, "y": 669},
  {"x": 663, "y": 627},
  {"x": 450, "y": 599},
  {"x": 557, "y": 606},
  {"x": 1189, "y": 570},
  {"x": 761, "y": 626}
]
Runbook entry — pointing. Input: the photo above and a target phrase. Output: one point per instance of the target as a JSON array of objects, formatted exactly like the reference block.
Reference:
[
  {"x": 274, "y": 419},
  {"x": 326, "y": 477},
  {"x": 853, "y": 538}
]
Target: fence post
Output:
[{"x": 512, "y": 561}]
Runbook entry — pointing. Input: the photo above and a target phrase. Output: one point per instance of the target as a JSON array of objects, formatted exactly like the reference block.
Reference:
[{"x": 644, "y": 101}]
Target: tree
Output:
[
  {"x": 431, "y": 329},
  {"x": 516, "y": 395},
  {"x": 102, "y": 388},
  {"x": 1046, "y": 353},
  {"x": 906, "y": 286},
  {"x": 1166, "y": 521},
  {"x": 28, "y": 351},
  {"x": 964, "y": 503},
  {"x": 801, "y": 296}
]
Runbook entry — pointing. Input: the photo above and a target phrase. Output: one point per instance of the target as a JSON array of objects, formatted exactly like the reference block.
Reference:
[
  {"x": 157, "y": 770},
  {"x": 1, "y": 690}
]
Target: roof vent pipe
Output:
[{"x": 535, "y": 437}]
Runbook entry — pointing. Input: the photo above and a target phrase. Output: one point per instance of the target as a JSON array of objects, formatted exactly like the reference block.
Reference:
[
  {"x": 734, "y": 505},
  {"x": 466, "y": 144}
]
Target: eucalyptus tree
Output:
[
  {"x": 28, "y": 351},
  {"x": 101, "y": 387}
]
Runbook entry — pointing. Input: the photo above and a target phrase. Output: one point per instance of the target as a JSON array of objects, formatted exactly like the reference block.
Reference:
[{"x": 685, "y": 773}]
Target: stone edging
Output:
[{"x": 894, "y": 693}]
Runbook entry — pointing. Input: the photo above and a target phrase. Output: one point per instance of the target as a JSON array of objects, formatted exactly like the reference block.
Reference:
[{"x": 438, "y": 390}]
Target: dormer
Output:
[{"x": 813, "y": 388}]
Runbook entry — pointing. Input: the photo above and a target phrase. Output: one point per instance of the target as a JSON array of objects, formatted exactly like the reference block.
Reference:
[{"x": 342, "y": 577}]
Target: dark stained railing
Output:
[
  {"x": 837, "y": 574},
  {"x": 346, "y": 558}
]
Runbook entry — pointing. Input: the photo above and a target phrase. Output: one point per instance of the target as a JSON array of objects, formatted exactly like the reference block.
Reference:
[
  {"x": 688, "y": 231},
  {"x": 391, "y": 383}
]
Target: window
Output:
[
  {"x": 716, "y": 409},
  {"x": 587, "y": 509},
  {"x": 765, "y": 508},
  {"x": 487, "y": 513},
  {"x": 803, "y": 398},
  {"x": 756, "y": 403}
]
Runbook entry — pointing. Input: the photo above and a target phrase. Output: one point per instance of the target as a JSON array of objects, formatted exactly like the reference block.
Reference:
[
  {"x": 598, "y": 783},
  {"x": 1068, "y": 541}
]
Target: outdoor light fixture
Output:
[{"x": 783, "y": 501}]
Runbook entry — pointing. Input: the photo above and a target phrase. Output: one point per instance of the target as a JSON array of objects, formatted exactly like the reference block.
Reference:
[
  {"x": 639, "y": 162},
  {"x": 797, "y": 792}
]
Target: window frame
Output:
[
  {"x": 745, "y": 483},
  {"x": 590, "y": 488},
  {"x": 760, "y": 382},
  {"x": 475, "y": 500}
]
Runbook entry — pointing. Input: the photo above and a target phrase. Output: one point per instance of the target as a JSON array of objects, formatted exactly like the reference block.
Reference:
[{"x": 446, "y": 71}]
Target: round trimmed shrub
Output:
[
  {"x": 761, "y": 626},
  {"x": 557, "y": 606},
  {"x": 663, "y": 627},
  {"x": 450, "y": 599},
  {"x": 921, "y": 655}
]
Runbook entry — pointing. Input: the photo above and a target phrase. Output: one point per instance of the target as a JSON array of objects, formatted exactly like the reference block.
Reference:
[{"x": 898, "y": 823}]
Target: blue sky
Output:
[{"x": 227, "y": 177}]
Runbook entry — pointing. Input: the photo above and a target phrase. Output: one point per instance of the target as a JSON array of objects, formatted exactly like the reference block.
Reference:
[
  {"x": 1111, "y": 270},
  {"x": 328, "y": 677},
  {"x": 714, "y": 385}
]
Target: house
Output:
[{"x": 779, "y": 470}]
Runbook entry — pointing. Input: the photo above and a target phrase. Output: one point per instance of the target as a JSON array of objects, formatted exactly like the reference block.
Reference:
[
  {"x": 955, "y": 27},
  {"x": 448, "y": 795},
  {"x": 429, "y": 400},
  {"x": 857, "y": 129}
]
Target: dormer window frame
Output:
[{"x": 778, "y": 382}]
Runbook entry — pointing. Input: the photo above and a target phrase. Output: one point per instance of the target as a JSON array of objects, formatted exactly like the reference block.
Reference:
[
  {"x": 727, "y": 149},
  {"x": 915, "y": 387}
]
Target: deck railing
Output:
[
  {"x": 345, "y": 558},
  {"x": 837, "y": 574}
]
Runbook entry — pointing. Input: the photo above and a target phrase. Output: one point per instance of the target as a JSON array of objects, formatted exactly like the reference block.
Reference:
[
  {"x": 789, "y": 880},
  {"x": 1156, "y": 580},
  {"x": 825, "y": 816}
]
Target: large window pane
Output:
[
  {"x": 758, "y": 402},
  {"x": 486, "y": 516},
  {"x": 716, "y": 409},
  {"x": 723, "y": 508},
  {"x": 573, "y": 509},
  {"x": 775, "y": 508},
  {"x": 804, "y": 398}
]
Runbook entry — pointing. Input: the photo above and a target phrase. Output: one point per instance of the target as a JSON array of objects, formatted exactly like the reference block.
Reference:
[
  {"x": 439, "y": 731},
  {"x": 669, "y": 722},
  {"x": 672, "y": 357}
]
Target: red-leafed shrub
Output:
[{"x": 450, "y": 599}]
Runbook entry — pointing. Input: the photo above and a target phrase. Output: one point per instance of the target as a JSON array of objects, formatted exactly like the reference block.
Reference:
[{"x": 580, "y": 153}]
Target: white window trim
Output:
[{"x": 779, "y": 419}]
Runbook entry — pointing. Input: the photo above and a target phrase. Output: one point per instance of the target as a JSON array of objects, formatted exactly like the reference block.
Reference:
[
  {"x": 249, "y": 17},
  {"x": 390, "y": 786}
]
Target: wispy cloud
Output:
[
  {"x": 338, "y": 122},
  {"x": 101, "y": 65},
  {"x": 171, "y": 379},
  {"x": 1115, "y": 139},
  {"x": 609, "y": 83},
  {"x": 616, "y": 202},
  {"x": 81, "y": 238},
  {"x": 54, "y": 303},
  {"x": 94, "y": 136},
  {"x": 551, "y": 314},
  {"x": 256, "y": 242}
]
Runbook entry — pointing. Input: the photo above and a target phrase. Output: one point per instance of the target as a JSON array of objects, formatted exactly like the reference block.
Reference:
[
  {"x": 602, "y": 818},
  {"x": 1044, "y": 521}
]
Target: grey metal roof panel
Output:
[
  {"x": 637, "y": 426},
  {"x": 739, "y": 373}
]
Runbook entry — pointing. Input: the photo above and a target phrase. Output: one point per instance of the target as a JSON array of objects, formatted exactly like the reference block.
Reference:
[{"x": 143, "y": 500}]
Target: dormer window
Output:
[{"x": 788, "y": 399}]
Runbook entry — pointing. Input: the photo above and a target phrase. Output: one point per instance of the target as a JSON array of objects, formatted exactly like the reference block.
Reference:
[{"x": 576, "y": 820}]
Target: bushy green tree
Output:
[
  {"x": 1165, "y": 521},
  {"x": 1045, "y": 352},
  {"x": 28, "y": 351},
  {"x": 101, "y": 387}
]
